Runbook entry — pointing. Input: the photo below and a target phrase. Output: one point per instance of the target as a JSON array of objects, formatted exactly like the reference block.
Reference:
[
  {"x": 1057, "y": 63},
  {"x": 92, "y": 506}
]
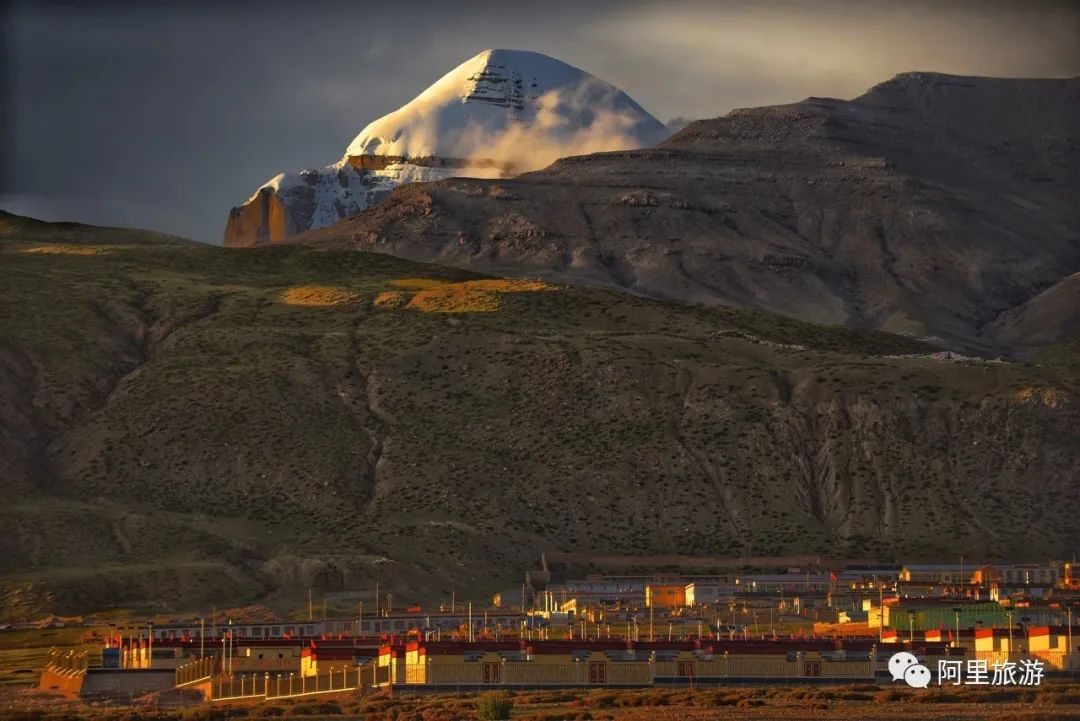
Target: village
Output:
[{"x": 800, "y": 625}]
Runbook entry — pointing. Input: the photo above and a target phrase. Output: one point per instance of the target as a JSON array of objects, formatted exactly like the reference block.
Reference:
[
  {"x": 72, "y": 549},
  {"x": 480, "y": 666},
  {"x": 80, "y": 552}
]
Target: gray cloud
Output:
[{"x": 164, "y": 115}]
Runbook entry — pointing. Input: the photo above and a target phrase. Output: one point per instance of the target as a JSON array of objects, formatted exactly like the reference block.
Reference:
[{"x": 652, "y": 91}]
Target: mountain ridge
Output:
[{"x": 930, "y": 205}]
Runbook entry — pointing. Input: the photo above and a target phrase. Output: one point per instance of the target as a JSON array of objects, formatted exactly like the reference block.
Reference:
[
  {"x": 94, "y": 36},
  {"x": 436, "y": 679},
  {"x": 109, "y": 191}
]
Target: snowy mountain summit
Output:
[{"x": 500, "y": 113}]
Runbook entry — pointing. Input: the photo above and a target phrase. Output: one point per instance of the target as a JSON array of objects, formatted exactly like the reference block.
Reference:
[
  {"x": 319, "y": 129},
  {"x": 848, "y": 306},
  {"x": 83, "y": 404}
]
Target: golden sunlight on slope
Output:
[
  {"x": 67, "y": 250},
  {"x": 317, "y": 295},
  {"x": 391, "y": 299},
  {"x": 455, "y": 298},
  {"x": 471, "y": 296},
  {"x": 1048, "y": 397}
]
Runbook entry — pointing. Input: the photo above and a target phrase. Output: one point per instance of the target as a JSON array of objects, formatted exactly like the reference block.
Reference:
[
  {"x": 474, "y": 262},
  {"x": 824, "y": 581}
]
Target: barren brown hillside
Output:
[{"x": 183, "y": 424}]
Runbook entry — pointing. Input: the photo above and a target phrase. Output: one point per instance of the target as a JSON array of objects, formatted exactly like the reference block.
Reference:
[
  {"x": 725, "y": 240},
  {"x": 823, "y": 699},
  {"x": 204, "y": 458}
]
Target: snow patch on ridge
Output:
[{"x": 337, "y": 191}]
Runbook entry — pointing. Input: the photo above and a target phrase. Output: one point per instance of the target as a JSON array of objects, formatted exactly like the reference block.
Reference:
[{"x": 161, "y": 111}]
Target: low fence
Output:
[
  {"x": 719, "y": 669},
  {"x": 1053, "y": 660},
  {"x": 528, "y": 673},
  {"x": 641, "y": 672},
  {"x": 198, "y": 671},
  {"x": 65, "y": 672},
  {"x": 268, "y": 686},
  {"x": 771, "y": 667},
  {"x": 68, "y": 661},
  {"x": 333, "y": 682}
]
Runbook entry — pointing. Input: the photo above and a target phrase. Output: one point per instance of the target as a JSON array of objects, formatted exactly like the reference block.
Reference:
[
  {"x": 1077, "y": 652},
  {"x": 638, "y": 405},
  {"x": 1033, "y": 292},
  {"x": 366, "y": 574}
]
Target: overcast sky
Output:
[{"x": 164, "y": 115}]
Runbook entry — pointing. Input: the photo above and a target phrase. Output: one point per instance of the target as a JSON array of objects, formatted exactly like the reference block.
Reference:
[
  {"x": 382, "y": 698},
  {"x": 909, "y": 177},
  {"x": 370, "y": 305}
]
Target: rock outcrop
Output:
[{"x": 263, "y": 219}]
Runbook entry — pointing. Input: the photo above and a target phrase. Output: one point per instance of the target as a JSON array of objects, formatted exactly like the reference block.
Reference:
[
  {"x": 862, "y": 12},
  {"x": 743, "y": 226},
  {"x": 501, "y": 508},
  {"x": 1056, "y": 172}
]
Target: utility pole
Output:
[
  {"x": 651, "y": 607},
  {"x": 1009, "y": 615},
  {"x": 470, "y": 623},
  {"x": 202, "y": 635},
  {"x": 1069, "y": 651},
  {"x": 881, "y": 608}
]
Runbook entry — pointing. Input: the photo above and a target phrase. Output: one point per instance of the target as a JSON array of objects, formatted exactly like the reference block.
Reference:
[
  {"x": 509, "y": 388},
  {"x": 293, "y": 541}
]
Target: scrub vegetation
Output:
[{"x": 186, "y": 424}]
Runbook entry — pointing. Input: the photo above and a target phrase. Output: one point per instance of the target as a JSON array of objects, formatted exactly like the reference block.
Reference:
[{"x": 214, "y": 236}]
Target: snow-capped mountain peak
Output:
[
  {"x": 500, "y": 112},
  {"x": 464, "y": 112}
]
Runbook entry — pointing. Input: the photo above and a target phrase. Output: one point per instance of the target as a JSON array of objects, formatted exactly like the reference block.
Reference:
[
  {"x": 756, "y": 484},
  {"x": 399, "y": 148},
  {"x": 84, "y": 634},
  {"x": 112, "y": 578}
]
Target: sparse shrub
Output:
[
  {"x": 313, "y": 709},
  {"x": 600, "y": 700},
  {"x": 204, "y": 714},
  {"x": 495, "y": 706},
  {"x": 938, "y": 697}
]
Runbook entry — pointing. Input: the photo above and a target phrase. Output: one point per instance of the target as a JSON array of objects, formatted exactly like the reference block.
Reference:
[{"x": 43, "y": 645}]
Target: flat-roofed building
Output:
[
  {"x": 618, "y": 663},
  {"x": 785, "y": 582},
  {"x": 315, "y": 660},
  {"x": 710, "y": 593},
  {"x": 998, "y": 645},
  {"x": 937, "y": 573},
  {"x": 665, "y": 595},
  {"x": 1058, "y": 646}
]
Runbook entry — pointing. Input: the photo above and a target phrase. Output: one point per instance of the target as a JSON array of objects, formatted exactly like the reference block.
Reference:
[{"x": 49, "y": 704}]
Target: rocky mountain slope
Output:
[
  {"x": 499, "y": 113},
  {"x": 183, "y": 425},
  {"x": 932, "y": 205}
]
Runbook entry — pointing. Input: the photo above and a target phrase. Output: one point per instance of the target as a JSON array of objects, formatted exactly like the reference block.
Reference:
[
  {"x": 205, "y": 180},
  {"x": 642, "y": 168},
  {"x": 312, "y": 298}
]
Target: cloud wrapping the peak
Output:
[{"x": 566, "y": 122}]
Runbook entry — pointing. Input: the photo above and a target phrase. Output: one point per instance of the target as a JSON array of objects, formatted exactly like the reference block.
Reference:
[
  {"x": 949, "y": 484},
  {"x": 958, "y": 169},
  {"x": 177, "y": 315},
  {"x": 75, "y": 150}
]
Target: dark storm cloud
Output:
[{"x": 164, "y": 115}]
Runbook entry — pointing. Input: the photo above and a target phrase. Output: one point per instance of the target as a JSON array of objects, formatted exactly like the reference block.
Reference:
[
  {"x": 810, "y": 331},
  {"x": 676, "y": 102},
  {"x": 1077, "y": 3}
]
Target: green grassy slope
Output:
[{"x": 176, "y": 432}]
